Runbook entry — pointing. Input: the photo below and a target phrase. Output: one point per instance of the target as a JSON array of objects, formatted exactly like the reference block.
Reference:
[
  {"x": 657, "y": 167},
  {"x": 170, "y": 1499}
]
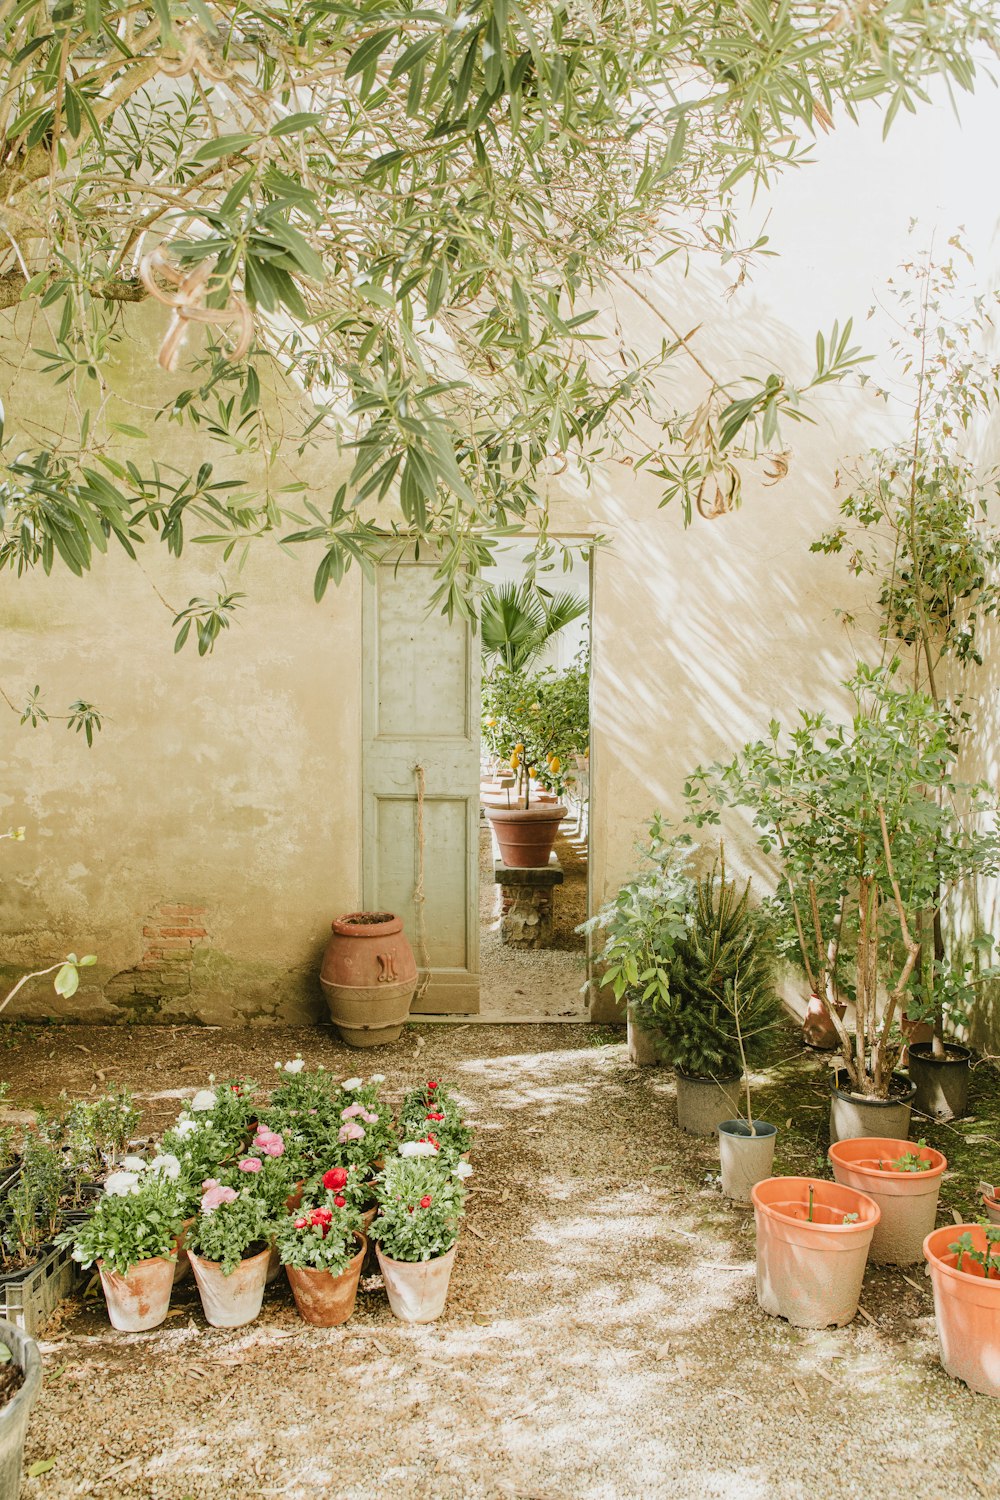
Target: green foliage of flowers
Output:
[
  {"x": 232, "y": 1231},
  {"x": 537, "y": 722},
  {"x": 323, "y": 1237},
  {"x": 420, "y": 1208},
  {"x": 432, "y": 1112},
  {"x": 129, "y": 1227}
]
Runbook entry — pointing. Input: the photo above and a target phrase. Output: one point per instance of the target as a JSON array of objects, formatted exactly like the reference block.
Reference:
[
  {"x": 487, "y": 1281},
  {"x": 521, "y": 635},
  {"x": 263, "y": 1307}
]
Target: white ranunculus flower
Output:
[
  {"x": 277, "y": 1067},
  {"x": 377, "y": 1078},
  {"x": 185, "y": 1127},
  {"x": 417, "y": 1148},
  {"x": 295, "y": 1066},
  {"x": 463, "y": 1169},
  {"x": 167, "y": 1165},
  {"x": 203, "y": 1099},
  {"x": 122, "y": 1184},
  {"x": 350, "y": 1084},
  {"x": 133, "y": 1164}
]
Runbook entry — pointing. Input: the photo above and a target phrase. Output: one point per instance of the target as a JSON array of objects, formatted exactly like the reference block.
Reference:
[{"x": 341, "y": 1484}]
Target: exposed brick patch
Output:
[{"x": 171, "y": 933}]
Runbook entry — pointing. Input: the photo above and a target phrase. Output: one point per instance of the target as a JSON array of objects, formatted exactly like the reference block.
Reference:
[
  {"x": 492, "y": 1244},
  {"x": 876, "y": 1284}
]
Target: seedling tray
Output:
[{"x": 28, "y": 1298}]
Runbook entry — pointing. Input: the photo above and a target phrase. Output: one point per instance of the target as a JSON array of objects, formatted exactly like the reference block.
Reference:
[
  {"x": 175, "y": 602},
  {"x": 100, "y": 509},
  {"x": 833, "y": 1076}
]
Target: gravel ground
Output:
[{"x": 601, "y": 1342}]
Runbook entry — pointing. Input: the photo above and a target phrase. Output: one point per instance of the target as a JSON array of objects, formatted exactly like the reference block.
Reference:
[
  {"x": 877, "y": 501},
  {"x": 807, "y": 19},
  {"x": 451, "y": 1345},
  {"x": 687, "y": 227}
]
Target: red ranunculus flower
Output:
[
  {"x": 434, "y": 1115},
  {"x": 340, "y": 1202},
  {"x": 335, "y": 1179},
  {"x": 431, "y": 1083},
  {"x": 301, "y": 1224},
  {"x": 425, "y": 1201}
]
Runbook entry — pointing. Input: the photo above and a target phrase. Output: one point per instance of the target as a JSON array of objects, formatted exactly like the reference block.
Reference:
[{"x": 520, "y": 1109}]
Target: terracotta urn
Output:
[
  {"x": 369, "y": 977},
  {"x": 526, "y": 835},
  {"x": 818, "y": 1030}
]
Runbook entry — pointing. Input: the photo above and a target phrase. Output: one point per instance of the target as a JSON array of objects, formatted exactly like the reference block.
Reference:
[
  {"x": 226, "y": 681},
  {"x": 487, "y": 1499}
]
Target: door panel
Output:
[{"x": 422, "y": 710}]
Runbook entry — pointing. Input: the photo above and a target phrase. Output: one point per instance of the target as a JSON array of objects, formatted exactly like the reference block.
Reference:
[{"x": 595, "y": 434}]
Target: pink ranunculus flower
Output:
[
  {"x": 274, "y": 1145},
  {"x": 216, "y": 1196},
  {"x": 352, "y": 1131},
  {"x": 251, "y": 1164},
  {"x": 352, "y": 1110},
  {"x": 370, "y": 1119},
  {"x": 210, "y": 1182}
]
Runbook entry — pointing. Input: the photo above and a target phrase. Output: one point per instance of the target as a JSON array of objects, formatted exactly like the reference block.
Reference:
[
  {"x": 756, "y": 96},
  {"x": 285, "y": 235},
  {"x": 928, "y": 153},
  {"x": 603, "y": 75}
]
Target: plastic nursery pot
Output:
[
  {"x": 746, "y": 1158},
  {"x": 323, "y": 1299},
  {"x": 14, "y": 1416},
  {"x": 853, "y": 1115},
  {"x": 641, "y": 1046},
  {"x": 417, "y": 1289},
  {"x": 182, "y": 1265},
  {"x": 526, "y": 835},
  {"x": 941, "y": 1083},
  {"x": 992, "y": 1207},
  {"x": 139, "y": 1299},
  {"x": 810, "y": 1271},
  {"x": 908, "y": 1200},
  {"x": 966, "y": 1310},
  {"x": 703, "y": 1103},
  {"x": 369, "y": 977},
  {"x": 231, "y": 1301}
]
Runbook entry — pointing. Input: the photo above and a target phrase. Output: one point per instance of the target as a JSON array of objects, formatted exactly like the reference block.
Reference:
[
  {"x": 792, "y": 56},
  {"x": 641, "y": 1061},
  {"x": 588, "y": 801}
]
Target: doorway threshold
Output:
[{"x": 501, "y": 1020}]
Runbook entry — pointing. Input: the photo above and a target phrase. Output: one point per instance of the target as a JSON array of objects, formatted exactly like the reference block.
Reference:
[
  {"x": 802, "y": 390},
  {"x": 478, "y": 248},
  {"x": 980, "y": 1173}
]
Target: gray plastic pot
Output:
[
  {"x": 746, "y": 1159},
  {"x": 703, "y": 1103},
  {"x": 641, "y": 1046},
  {"x": 853, "y": 1115},
  {"x": 942, "y": 1083},
  {"x": 14, "y": 1416}
]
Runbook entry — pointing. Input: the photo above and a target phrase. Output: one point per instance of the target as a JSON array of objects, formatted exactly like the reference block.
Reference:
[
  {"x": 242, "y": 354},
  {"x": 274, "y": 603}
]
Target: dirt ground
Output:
[{"x": 601, "y": 1341}]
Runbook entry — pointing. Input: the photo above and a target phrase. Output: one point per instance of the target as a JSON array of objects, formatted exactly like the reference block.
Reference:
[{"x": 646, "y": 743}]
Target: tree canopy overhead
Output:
[{"x": 402, "y": 219}]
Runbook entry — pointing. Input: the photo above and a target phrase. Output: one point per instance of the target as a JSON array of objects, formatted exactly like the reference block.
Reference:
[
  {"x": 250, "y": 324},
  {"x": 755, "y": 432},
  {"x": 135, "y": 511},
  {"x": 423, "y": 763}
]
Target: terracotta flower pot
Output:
[
  {"x": 941, "y": 1083},
  {"x": 810, "y": 1272},
  {"x": 818, "y": 1030},
  {"x": 323, "y": 1299},
  {"x": 745, "y": 1159},
  {"x": 526, "y": 835},
  {"x": 231, "y": 1301},
  {"x": 369, "y": 978},
  {"x": 966, "y": 1309},
  {"x": 703, "y": 1103},
  {"x": 908, "y": 1200},
  {"x": 417, "y": 1289},
  {"x": 853, "y": 1115},
  {"x": 182, "y": 1265},
  {"x": 139, "y": 1299}
]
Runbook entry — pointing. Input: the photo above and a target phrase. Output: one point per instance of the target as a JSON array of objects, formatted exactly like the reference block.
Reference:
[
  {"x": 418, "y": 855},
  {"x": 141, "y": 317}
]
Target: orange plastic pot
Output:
[
  {"x": 908, "y": 1200},
  {"x": 323, "y": 1299},
  {"x": 810, "y": 1271},
  {"x": 966, "y": 1309},
  {"x": 139, "y": 1299}
]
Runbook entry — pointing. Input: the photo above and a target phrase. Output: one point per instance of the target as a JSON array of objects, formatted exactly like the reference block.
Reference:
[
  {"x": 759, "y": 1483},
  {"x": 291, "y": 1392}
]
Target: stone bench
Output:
[{"x": 526, "y": 902}]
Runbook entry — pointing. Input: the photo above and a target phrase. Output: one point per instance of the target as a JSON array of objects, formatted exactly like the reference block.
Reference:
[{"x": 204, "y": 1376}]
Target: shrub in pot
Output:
[
  {"x": 229, "y": 1249},
  {"x": 812, "y": 1247},
  {"x": 964, "y": 1263},
  {"x": 905, "y": 1183},
  {"x": 19, "y": 1352},
  {"x": 322, "y": 1248},
  {"x": 420, "y": 1203},
  {"x": 131, "y": 1235},
  {"x": 870, "y": 825}
]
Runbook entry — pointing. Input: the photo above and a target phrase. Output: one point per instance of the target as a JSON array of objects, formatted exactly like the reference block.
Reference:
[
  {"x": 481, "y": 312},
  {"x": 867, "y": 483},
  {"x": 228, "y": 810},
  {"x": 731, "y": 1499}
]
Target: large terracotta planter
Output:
[
  {"x": 526, "y": 835},
  {"x": 966, "y": 1309},
  {"x": 941, "y": 1083},
  {"x": 745, "y": 1159},
  {"x": 818, "y": 1030},
  {"x": 417, "y": 1289},
  {"x": 369, "y": 977},
  {"x": 811, "y": 1272},
  {"x": 231, "y": 1301},
  {"x": 323, "y": 1299},
  {"x": 908, "y": 1200},
  {"x": 14, "y": 1416},
  {"x": 140, "y": 1299},
  {"x": 853, "y": 1115},
  {"x": 703, "y": 1103}
]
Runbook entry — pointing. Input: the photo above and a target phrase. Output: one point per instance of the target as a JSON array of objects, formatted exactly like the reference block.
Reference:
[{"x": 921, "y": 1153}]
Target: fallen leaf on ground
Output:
[
  {"x": 865, "y": 1314},
  {"x": 41, "y": 1466}
]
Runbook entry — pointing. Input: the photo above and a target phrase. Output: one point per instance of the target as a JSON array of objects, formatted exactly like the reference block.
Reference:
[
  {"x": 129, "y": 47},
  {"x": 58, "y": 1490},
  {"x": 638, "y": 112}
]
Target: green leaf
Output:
[
  {"x": 5, "y": 1355},
  {"x": 295, "y": 124},
  {"x": 67, "y": 981},
  {"x": 224, "y": 145}
]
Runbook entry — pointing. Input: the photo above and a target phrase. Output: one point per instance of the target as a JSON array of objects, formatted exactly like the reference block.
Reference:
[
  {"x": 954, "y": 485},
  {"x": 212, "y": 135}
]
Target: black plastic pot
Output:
[
  {"x": 942, "y": 1083},
  {"x": 855, "y": 1115},
  {"x": 14, "y": 1416}
]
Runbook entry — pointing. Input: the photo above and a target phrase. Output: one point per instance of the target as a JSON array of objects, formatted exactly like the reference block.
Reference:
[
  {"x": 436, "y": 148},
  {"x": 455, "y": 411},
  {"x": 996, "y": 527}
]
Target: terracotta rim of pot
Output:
[
  {"x": 545, "y": 812},
  {"x": 367, "y": 924},
  {"x": 943, "y": 1261},
  {"x": 905, "y": 1096},
  {"x": 847, "y": 1153},
  {"x": 762, "y": 1194},
  {"x": 955, "y": 1054}
]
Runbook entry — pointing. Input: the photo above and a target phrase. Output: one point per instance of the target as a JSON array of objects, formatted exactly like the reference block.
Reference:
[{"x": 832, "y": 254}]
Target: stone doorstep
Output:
[{"x": 540, "y": 875}]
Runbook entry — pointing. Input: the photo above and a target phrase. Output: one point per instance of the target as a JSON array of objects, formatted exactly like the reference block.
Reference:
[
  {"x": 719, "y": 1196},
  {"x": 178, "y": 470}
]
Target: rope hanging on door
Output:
[{"x": 419, "y": 897}]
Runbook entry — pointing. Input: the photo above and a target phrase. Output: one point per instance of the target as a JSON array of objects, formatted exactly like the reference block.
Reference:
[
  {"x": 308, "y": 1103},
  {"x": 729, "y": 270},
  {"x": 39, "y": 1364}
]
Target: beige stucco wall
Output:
[{"x": 231, "y": 785}]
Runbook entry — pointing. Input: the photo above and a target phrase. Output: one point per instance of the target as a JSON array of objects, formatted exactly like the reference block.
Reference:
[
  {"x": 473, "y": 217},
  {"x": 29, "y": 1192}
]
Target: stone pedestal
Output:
[{"x": 526, "y": 897}]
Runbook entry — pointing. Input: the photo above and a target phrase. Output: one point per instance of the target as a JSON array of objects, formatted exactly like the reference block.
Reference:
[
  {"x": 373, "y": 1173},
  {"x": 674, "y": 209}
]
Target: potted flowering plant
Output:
[
  {"x": 416, "y": 1231},
  {"x": 904, "y": 1181},
  {"x": 432, "y": 1113},
  {"x": 229, "y": 1249},
  {"x": 322, "y": 1248},
  {"x": 267, "y": 1167},
  {"x": 365, "y": 1134},
  {"x": 131, "y": 1234}
]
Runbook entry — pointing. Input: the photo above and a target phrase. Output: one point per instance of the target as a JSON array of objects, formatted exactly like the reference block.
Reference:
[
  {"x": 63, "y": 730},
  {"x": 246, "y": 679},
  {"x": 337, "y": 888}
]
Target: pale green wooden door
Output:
[{"x": 421, "y": 710}]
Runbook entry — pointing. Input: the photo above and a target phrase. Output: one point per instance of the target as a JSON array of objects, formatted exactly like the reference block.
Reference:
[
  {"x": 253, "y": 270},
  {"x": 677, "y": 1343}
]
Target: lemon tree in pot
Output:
[{"x": 870, "y": 825}]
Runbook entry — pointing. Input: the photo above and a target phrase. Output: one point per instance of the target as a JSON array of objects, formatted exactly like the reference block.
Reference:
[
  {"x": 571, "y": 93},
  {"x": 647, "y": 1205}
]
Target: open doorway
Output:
[{"x": 535, "y": 758}]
